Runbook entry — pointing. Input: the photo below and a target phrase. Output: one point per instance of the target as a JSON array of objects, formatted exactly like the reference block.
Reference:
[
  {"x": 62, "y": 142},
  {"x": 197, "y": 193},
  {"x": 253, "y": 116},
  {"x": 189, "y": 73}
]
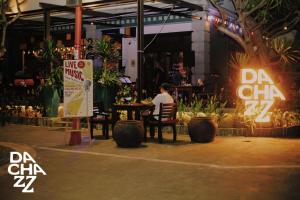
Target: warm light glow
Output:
[{"x": 259, "y": 93}]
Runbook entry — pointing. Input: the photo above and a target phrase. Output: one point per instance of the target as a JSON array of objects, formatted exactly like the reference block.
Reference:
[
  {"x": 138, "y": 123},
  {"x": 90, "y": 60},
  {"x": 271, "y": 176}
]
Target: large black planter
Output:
[
  {"x": 202, "y": 129},
  {"x": 51, "y": 101},
  {"x": 105, "y": 95},
  {"x": 128, "y": 133}
]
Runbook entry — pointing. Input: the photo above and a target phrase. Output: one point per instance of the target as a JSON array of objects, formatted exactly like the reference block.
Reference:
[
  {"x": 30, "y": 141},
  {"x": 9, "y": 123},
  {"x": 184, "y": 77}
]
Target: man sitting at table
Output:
[{"x": 163, "y": 97}]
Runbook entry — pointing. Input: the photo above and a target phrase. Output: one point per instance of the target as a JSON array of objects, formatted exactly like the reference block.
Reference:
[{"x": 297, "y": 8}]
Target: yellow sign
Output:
[
  {"x": 259, "y": 93},
  {"x": 78, "y": 88}
]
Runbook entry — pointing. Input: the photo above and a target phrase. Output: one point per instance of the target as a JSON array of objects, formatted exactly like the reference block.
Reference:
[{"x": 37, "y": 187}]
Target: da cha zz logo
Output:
[
  {"x": 25, "y": 170},
  {"x": 259, "y": 94}
]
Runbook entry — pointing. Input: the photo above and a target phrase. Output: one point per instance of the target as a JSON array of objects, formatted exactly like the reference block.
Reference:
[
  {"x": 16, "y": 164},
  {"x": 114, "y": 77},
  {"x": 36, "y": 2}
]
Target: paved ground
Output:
[{"x": 229, "y": 168}]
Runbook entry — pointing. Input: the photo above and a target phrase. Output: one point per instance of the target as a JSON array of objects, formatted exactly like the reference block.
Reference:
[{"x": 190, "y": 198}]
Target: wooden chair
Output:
[
  {"x": 166, "y": 117},
  {"x": 100, "y": 117}
]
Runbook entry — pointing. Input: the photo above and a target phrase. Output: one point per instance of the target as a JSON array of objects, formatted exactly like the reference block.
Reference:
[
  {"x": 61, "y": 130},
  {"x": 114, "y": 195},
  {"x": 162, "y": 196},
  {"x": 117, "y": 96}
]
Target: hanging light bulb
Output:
[{"x": 209, "y": 18}]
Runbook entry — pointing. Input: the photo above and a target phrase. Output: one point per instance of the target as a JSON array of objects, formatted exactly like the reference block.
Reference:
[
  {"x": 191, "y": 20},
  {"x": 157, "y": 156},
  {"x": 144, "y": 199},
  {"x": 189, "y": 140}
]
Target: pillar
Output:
[
  {"x": 201, "y": 46},
  {"x": 140, "y": 43},
  {"x": 47, "y": 25}
]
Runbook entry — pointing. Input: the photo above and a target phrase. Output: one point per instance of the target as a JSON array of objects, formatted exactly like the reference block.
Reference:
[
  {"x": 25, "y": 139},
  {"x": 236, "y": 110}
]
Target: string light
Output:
[
  {"x": 230, "y": 25},
  {"x": 210, "y": 18}
]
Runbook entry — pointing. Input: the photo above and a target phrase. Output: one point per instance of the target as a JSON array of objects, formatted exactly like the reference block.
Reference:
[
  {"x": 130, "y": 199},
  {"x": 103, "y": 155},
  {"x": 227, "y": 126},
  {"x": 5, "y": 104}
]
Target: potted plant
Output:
[
  {"x": 107, "y": 78},
  {"x": 53, "y": 83},
  {"x": 203, "y": 126},
  {"x": 106, "y": 84}
]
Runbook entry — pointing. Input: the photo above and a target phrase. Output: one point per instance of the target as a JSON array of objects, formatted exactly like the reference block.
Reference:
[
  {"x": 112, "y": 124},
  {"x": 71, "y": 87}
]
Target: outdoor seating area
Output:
[{"x": 149, "y": 99}]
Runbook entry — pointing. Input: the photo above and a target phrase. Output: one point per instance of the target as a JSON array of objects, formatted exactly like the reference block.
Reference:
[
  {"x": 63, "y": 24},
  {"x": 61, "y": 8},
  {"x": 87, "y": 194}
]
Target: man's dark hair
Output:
[{"x": 165, "y": 86}]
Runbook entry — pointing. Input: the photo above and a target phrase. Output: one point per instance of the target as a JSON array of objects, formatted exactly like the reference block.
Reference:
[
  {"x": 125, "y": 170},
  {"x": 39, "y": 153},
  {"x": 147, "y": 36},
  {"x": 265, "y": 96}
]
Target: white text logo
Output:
[
  {"x": 24, "y": 169},
  {"x": 259, "y": 93}
]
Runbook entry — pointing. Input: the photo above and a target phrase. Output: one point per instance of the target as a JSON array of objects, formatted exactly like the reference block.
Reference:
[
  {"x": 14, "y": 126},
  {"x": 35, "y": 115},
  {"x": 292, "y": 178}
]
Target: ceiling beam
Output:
[
  {"x": 167, "y": 10},
  {"x": 71, "y": 21},
  {"x": 183, "y": 4},
  {"x": 86, "y": 11}
]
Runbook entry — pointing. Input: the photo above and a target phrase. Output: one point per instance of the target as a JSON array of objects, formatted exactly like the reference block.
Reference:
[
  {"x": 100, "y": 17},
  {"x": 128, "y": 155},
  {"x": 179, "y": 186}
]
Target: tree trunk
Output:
[{"x": 2, "y": 45}]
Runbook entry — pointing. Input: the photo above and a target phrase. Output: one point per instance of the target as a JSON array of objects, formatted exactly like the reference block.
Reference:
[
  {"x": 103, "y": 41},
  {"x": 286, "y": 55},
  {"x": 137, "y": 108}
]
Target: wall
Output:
[{"x": 129, "y": 57}]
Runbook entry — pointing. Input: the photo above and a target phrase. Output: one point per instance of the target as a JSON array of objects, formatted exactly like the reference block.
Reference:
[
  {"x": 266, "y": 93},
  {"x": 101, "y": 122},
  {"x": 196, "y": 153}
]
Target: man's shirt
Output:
[{"x": 161, "y": 98}]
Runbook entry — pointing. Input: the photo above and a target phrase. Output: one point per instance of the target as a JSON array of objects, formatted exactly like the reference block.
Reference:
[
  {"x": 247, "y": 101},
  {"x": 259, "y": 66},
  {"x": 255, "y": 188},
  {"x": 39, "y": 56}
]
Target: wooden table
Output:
[{"x": 130, "y": 108}]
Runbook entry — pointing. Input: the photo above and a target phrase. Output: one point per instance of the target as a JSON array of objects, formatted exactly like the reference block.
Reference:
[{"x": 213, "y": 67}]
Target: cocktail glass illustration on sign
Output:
[
  {"x": 87, "y": 88},
  {"x": 259, "y": 93}
]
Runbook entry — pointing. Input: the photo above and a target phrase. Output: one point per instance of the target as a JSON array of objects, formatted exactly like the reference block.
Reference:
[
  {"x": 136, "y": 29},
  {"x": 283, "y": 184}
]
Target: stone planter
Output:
[
  {"x": 293, "y": 131},
  {"x": 128, "y": 133},
  {"x": 202, "y": 129}
]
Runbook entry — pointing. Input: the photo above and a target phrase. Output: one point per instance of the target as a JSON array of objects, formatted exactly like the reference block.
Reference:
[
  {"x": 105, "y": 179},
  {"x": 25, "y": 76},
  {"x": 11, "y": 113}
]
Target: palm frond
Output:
[
  {"x": 239, "y": 60},
  {"x": 285, "y": 51}
]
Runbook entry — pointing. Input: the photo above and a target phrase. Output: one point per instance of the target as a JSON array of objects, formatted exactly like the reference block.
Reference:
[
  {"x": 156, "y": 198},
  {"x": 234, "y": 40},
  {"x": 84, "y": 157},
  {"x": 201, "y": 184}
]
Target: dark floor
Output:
[
  {"x": 4, "y": 155},
  {"x": 229, "y": 168}
]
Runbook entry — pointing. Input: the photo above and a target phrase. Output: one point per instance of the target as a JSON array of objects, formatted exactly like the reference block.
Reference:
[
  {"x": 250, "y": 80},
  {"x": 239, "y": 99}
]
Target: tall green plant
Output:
[
  {"x": 55, "y": 79},
  {"x": 107, "y": 49},
  {"x": 53, "y": 65},
  {"x": 50, "y": 56}
]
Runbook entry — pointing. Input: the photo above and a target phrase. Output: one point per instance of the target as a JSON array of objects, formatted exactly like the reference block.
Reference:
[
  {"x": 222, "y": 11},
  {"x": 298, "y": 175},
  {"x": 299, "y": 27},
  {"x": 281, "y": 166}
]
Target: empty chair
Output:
[{"x": 100, "y": 117}]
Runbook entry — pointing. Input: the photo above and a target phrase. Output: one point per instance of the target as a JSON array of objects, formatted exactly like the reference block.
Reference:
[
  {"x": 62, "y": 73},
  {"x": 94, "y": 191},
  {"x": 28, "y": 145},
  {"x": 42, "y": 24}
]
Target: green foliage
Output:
[
  {"x": 211, "y": 105},
  {"x": 285, "y": 51},
  {"x": 212, "y": 108},
  {"x": 50, "y": 56},
  {"x": 215, "y": 108},
  {"x": 196, "y": 107},
  {"x": 181, "y": 107},
  {"x": 103, "y": 48},
  {"x": 107, "y": 49},
  {"x": 239, "y": 60},
  {"x": 125, "y": 91},
  {"x": 250, "y": 123},
  {"x": 55, "y": 79},
  {"x": 284, "y": 119},
  {"x": 263, "y": 13},
  {"x": 106, "y": 77},
  {"x": 53, "y": 66}
]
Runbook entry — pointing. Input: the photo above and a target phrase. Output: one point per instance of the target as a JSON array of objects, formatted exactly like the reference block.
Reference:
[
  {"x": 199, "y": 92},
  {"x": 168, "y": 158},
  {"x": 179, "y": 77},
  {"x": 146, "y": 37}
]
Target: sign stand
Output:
[{"x": 78, "y": 94}]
